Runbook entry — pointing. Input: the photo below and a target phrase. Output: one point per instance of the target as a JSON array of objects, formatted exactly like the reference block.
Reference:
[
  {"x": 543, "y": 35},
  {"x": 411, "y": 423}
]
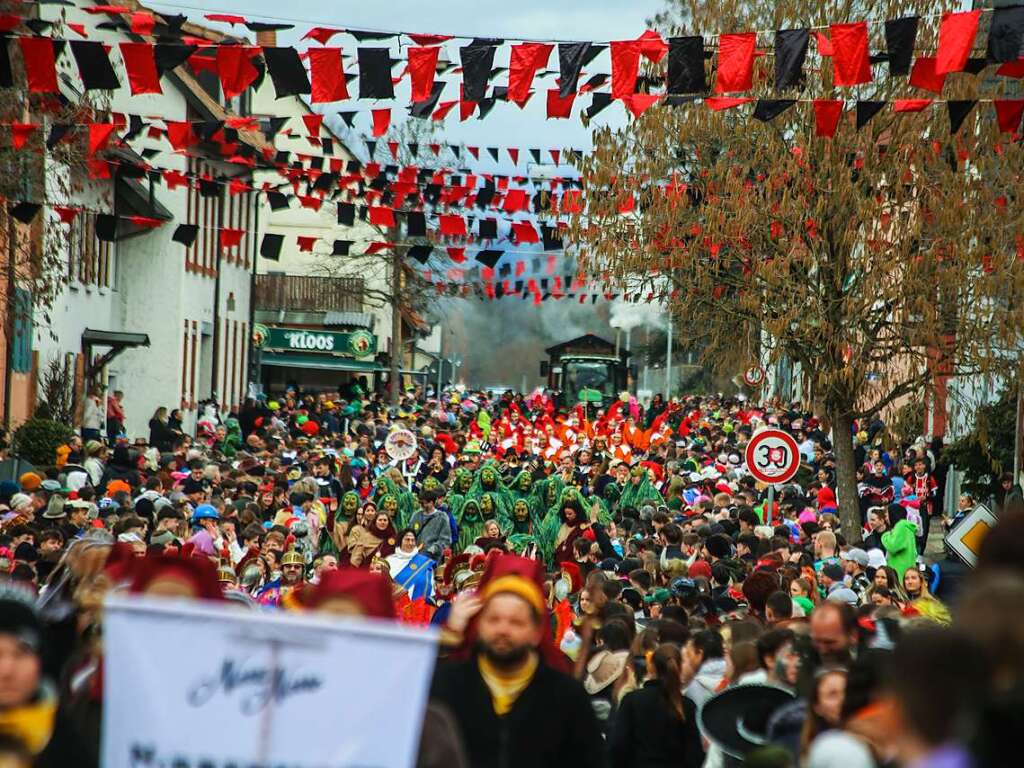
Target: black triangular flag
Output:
[
  {"x": 93, "y": 65},
  {"x": 493, "y": 152},
  {"x": 347, "y": 214},
  {"x": 24, "y": 212},
  {"x": 769, "y": 109},
  {"x": 552, "y": 238},
  {"x": 375, "y": 74},
  {"x": 571, "y": 57},
  {"x": 57, "y": 132},
  {"x": 327, "y": 146},
  {"x": 489, "y": 258},
  {"x": 363, "y": 34},
  {"x": 170, "y": 55},
  {"x": 273, "y": 125},
  {"x": 686, "y": 65},
  {"x": 790, "y": 52},
  {"x": 185, "y": 234},
  {"x": 415, "y": 224},
  {"x": 487, "y": 229},
  {"x": 423, "y": 109},
  {"x": 867, "y": 110},
  {"x": 348, "y": 117},
  {"x": 900, "y": 35},
  {"x": 287, "y": 71},
  {"x": 262, "y": 26},
  {"x": 1007, "y": 34},
  {"x": 599, "y": 102},
  {"x": 484, "y": 108},
  {"x": 421, "y": 253},
  {"x": 535, "y": 154},
  {"x": 975, "y": 64},
  {"x": 341, "y": 247},
  {"x": 958, "y": 111},
  {"x": 277, "y": 200},
  {"x": 477, "y": 61},
  {"x": 270, "y": 248},
  {"x": 6, "y": 73},
  {"x": 106, "y": 227}
]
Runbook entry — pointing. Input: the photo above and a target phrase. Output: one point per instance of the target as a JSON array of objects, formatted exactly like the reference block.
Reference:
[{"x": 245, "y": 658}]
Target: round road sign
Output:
[
  {"x": 754, "y": 376},
  {"x": 773, "y": 456}
]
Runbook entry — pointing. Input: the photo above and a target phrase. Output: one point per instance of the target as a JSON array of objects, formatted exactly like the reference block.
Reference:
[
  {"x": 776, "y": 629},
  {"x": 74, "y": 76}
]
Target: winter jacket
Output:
[
  {"x": 647, "y": 734},
  {"x": 433, "y": 532},
  {"x": 705, "y": 683},
  {"x": 901, "y": 546},
  {"x": 361, "y": 546}
]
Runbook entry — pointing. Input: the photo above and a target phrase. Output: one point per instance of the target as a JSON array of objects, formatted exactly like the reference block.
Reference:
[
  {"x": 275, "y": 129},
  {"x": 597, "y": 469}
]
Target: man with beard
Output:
[{"x": 513, "y": 704}]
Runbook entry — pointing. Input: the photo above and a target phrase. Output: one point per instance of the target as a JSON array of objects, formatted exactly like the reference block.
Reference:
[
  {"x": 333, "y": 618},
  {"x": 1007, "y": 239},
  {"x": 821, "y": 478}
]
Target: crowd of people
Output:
[{"x": 610, "y": 586}]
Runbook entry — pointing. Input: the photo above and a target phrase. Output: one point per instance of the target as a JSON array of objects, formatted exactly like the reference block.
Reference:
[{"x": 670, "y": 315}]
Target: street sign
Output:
[
  {"x": 773, "y": 457},
  {"x": 754, "y": 376},
  {"x": 965, "y": 538}
]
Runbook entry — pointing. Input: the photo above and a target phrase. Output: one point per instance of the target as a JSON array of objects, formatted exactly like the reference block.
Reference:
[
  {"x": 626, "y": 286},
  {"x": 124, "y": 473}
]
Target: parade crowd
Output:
[{"x": 610, "y": 586}]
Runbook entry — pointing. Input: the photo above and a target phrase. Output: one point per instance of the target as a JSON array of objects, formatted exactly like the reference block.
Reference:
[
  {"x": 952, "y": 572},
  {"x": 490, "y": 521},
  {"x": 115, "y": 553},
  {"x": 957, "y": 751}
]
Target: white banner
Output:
[{"x": 193, "y": 685}]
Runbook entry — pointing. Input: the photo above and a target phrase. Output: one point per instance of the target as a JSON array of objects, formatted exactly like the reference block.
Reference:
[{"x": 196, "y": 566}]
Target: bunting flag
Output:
[
  {"x": 826, "y": 116},
  {"x": 327, "y": 75},
  {"x": 40, "y": 63},
  {"x": 422, "y": 67},
  {"x": 287, "y": 71},
  {"x": 956, "y": 38},
  {"x": 526, "y": 59},
  {"x": 477, "y": 62},
  {"x": 686, "y": 65},
  {"x": 1006, "y": 35},
  {"x": 735, "y": 62},
  {"x": 958, "y": 112},
  {"x": 790, "y": 53},
  {"x": 867, "y": 110},
  {"x": 94, "y": 65},
  {"x": 375, "y": 74},
  {"x": 851, "y": 60},
  {"x": 900, "y": 35}
]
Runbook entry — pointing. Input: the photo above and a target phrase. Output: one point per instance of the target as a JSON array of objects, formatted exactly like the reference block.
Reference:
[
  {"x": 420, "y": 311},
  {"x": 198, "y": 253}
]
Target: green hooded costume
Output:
[{"x": 635, "y": 494}]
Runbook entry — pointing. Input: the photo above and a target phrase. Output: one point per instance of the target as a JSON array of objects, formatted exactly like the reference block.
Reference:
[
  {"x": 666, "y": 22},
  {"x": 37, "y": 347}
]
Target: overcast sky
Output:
[{"x": 592, "y": 20}]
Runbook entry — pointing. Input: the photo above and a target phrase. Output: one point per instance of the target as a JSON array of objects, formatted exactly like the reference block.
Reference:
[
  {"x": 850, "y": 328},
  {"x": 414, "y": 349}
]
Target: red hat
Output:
[
  {"x": 371, "y": 591},
  {"x": 572, "y": 570},
  {"x": 657, "y": 469},
  {"x": 199, "y": 572},
  {"x": 518, "y": 575},
  {"x": 699, "y": 569}
]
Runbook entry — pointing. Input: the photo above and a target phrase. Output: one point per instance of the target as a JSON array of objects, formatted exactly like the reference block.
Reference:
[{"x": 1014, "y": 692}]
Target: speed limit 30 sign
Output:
[{"x": 773, "y": 456}]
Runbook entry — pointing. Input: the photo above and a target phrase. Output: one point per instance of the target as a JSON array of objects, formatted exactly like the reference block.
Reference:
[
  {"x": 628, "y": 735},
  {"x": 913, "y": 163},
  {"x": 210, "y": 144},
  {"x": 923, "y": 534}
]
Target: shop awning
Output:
[
  {"x": 319, "y": 362},
  {"x": 349, "y": 319},
  {"x": 117, "y": 341}
]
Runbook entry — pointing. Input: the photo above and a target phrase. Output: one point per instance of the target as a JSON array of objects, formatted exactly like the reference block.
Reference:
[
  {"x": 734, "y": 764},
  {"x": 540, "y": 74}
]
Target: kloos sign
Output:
[{"x": 323, "y": 342}]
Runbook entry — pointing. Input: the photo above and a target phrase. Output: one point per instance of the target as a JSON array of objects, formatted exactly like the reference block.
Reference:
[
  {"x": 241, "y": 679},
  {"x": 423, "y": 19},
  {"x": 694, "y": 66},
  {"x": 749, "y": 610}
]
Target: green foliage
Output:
[
  {"x": 38, "y": 438},
  {"x": 907, "y": 423},
  {"x": 987, "y": 450}
]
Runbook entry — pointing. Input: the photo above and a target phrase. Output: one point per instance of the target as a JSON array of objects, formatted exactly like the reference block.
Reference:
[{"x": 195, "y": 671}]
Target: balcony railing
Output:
[{"x": 310, "y": 294}]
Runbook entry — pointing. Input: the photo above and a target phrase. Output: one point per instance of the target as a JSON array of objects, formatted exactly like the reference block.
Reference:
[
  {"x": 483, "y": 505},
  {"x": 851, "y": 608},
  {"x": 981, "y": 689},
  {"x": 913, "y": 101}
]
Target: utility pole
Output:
[
  {"x": 668, "y": 360},
  {"x": 440, "y": 363},
  {"x": 396, "y": 326}
]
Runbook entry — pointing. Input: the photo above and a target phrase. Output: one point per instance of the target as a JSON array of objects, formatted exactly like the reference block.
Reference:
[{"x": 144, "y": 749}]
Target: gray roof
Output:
[{"x": 352, "y": 319}]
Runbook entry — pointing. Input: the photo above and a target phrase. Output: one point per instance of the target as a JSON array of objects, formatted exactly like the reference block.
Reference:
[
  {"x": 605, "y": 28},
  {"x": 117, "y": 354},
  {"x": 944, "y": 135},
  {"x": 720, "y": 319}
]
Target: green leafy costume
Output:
[{"x": 637, "y": 494}]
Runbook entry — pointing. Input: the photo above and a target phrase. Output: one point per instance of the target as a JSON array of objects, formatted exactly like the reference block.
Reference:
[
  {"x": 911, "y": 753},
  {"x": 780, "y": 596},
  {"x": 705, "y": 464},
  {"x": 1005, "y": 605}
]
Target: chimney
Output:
[{"x": 266, "y": 39}]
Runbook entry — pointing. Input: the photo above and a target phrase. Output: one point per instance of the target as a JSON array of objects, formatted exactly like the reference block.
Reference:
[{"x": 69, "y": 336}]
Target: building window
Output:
[{"x": 90, "y": 260}]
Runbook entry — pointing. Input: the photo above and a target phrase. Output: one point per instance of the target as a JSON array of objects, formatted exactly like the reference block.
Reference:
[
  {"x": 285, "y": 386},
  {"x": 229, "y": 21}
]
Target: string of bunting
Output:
[{"x": 239, "y": 66}]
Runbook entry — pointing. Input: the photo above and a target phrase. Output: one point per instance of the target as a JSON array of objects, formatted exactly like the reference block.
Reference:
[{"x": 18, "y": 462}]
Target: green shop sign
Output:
[{"x": 356, "y": 343}]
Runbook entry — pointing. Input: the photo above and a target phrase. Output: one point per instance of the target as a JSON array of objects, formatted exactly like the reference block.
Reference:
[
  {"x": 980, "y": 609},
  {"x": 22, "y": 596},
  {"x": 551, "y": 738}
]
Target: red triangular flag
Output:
[
  {"x": 235, "y": 68},
  {"x": 513, "y": 152},
  {"x": 523, "y": 232},
  {"x": 458, "y": 255},
  {"x": 638, "y": 103},
  {"x": 140, "y": 64},
  {"x": 141, "y": 23},
  {"x": 1008, "y": 114},
  {"x": 924, "y": 76},
  {"x": 393, "y": 146},
  {"x": 306, "y": 243},
  {"x": 226, "y": 18},
  {"x": 851, "y": 60},
  {"x": 956, "y": 38},
  {"x": 66, "y": 213},
  {"x": 827, "y": 112},
  {"x": 99, "y": 136},
  {"x": 381, "y": 216},
  {"x": 180, "y": 135},
  {"x": 327, "y": 75},
  {"x": 735, "y": 62},
  {"x": 230, "y": 237},
  {"x": 452, "y": 225},
  {"x": 381, "y": 121},
  {"x": 526, "y": 59},
  {"x": 20, "y": 133},
  {"x": 625, "y": 67},
  {"x": 1012, "y": 68},
  {"x": 910, "y": 105},
  {"x": 825, "y": 47},
  {"x": 652, "y": 45},
  {"x": 422, "y": 39},
  {"x": 442, "y": 111},
  {"x": 322, "y": 34},
  {"x": 718, "y": 103},
  {"x": 557, "y": 106},
  {"x": 146, "y": 222},
  {"x": 313, "y": 123},
  {"x": 422, "y": 68},
  {"x": 40, "y": 63},
  {"x": 475, "y": 152},
  {"x": 556, "y": 156}
]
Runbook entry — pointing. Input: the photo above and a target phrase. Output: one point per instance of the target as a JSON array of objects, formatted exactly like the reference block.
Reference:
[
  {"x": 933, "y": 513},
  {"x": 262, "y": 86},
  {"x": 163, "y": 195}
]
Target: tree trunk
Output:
[
  {"x": 846, "y": 478},
  {"x": 396, "y": 328}
]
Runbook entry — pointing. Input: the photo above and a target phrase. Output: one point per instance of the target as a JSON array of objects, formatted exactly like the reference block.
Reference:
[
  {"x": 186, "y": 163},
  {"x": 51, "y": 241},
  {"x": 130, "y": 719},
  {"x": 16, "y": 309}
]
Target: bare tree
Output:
[{"x": 879, "y": 260}]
